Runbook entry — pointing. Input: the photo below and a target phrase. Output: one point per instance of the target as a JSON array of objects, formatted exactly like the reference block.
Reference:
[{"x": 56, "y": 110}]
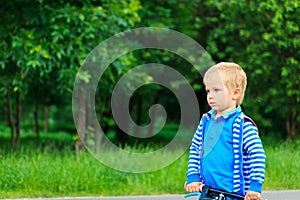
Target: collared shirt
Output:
[{"x": 218, "y": 161}]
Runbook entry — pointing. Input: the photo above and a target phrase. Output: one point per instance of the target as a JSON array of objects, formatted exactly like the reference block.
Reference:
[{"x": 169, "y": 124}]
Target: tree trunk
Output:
[
  {"x": 36, "y": 118},
  {"x": 81, "y": 121},
  {"x": 46, "y": 125},
  {"x": 18, "y": 120},
  {"x": 10, "y": 119},
  {"x": 139, "y": 116},
  {"x": 121, "y": 136},
  {"x": 92, "y": 123},
  {"x": 151, "y": 127},
  {"x": 97, "y": 138},
  {"x": 291, "y": 122}
]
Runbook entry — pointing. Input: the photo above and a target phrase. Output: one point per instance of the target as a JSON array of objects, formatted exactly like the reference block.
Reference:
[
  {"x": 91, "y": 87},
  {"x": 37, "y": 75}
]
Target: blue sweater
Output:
[{"x": 248, "y": 153}]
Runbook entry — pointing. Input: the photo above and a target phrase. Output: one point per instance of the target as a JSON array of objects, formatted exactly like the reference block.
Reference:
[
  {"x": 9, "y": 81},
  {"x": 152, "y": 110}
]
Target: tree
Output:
[
  {"x": 263, "y": 36},
  {"x": 46, "y": 42}
]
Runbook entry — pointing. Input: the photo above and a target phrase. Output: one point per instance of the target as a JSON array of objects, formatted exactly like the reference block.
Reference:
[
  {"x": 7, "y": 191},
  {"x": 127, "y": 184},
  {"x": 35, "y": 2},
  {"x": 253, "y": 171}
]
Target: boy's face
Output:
[{"x": 219, "y": 97}]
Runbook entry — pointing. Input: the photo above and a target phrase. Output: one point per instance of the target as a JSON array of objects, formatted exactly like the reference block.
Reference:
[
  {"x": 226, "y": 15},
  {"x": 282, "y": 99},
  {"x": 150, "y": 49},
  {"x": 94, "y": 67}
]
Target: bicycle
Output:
[{"x": 209, "y": 193}]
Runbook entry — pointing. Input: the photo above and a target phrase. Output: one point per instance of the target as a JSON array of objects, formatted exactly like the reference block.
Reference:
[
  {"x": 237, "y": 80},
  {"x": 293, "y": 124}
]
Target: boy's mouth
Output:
[{"x": 212, "y": 104}]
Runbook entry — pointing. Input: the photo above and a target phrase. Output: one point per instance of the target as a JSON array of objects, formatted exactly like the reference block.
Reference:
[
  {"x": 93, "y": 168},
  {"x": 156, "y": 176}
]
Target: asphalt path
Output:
[{"x": 267, "y": 195}]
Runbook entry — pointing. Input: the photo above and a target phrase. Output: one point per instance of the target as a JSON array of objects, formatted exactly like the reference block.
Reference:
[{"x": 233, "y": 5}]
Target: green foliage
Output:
[
  {"x": 262, "y": 36},
  {"x": 44, "y": 43}
]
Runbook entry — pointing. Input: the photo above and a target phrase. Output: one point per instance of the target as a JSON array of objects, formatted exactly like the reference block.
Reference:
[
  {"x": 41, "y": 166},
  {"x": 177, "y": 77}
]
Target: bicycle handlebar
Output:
[
  {"x": 228, "y": 194},
  {"x": 207, "y": 190}
]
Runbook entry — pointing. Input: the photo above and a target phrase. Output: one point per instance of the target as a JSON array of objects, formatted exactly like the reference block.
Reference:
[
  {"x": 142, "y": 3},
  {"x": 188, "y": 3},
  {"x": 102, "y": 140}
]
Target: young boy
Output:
[{"x": 226, "y": 152}]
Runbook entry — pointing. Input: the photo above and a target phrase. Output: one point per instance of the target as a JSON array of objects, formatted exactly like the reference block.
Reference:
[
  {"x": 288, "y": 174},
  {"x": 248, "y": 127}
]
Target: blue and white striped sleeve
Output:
[
  {"x": 257, "y": 157},
  {"x": 193, "y": 174}
]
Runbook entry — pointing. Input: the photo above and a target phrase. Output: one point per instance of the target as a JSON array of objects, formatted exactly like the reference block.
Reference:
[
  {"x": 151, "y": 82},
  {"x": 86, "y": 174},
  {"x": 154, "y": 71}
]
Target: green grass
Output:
[
  {"x": 283, "y": 166},
  {"x": 44, "y": 168},
  {"x": 34, "y": 174}
]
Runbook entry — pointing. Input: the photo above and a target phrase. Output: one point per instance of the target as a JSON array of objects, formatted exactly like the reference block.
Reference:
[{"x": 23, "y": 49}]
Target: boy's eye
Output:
[{"x": 213, "y": 90}]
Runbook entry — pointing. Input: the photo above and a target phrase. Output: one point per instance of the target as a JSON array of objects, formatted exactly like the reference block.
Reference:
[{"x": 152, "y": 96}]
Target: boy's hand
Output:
[
  {"x": 194, "y": 187},
  {"x": 251, "y": 195}
]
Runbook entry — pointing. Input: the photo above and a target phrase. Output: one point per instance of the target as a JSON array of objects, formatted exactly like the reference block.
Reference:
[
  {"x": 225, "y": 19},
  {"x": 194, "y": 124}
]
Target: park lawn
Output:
[
  {"x": 283, "y": 166},
  {"x": 46, "y": 171}
]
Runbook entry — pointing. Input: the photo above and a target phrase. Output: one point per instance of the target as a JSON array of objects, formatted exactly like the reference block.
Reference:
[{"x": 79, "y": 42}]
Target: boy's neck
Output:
[{"x": 219, "y": 114}]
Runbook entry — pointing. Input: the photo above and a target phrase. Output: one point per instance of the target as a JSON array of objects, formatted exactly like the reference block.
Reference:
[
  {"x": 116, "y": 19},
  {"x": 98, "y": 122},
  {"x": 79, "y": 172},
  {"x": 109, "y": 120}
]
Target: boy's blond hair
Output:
[{"x": 232, "y": 75}]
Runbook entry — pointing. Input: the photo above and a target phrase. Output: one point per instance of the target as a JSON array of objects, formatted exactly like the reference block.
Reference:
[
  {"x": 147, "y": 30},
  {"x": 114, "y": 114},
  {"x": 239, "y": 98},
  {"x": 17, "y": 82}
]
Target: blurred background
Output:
[{"x": 44, "y": 43}]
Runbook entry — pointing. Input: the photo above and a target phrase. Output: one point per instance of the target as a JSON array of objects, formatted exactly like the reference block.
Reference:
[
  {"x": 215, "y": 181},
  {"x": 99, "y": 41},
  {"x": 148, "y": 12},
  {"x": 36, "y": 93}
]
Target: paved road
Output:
[{"x": 267, "y": 195}]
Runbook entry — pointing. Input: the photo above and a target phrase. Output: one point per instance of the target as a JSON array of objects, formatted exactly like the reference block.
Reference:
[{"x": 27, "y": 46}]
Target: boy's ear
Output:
[{"x": 236, "y": 93}]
